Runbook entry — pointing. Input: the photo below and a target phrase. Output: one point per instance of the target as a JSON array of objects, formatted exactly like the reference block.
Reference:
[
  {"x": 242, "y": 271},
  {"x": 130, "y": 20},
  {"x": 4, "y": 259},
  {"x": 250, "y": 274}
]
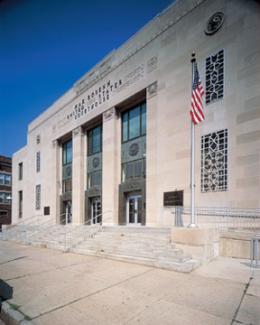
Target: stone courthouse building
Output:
[{"x": 116, "y": 146}]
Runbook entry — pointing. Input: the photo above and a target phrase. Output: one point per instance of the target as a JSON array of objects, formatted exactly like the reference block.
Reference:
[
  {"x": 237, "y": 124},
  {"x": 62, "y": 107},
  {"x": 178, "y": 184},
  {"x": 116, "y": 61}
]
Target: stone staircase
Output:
[
  {"x": 143, "y": 245},
  {"x": 50, "y": 236}
]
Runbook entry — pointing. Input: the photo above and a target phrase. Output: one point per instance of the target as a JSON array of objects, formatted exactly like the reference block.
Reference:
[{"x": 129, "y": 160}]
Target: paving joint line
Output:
[
  {"x": 15, "y": 259},
  {"x": 92, "y": 294},
  {"x": 241, "y": 300},
  {"x": 46, "y": 271}
]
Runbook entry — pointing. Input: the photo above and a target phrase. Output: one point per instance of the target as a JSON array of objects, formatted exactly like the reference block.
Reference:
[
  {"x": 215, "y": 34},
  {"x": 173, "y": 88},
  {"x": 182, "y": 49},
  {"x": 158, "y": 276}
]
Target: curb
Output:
[{"x": 11, "y": 316}]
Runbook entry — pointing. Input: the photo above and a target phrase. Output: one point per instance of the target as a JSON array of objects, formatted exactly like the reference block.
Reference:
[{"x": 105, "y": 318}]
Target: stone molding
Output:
[
  {"x": 109, "y": 114},
  {"x": 152, "y": 89},
  {"x": 76, "y": 131}
]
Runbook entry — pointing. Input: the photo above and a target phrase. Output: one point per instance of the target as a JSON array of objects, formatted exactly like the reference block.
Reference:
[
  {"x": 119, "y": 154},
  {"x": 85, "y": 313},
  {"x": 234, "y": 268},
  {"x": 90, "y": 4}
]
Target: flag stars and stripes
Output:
[{"x": 196, "y": 111}]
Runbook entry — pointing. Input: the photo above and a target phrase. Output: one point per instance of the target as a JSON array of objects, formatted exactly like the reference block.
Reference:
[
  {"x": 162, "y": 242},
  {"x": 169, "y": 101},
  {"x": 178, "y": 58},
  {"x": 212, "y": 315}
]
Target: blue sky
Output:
[{"x": 46, "y": 45}]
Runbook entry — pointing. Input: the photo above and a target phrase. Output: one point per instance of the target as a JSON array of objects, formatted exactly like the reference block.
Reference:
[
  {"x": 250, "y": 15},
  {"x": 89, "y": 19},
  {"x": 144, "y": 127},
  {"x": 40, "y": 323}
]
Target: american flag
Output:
[{"x": 196, "y": 111}]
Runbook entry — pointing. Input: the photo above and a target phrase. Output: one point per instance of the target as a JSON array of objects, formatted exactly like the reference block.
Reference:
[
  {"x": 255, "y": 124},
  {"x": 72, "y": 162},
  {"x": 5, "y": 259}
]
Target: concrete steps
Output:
[{"x": 141, "y": 245}]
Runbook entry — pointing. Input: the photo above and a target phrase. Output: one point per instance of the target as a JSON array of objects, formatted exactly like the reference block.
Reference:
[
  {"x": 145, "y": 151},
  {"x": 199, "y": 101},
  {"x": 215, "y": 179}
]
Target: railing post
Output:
[{"x": 255, "y": 251}]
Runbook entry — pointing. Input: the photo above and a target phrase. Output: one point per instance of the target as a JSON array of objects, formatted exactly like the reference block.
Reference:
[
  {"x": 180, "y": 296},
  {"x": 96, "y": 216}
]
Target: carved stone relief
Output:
[
  {"x": 152, "y": 89},
  {"x": 108, "y": 115},
  {"x": 152, "y": 64}
]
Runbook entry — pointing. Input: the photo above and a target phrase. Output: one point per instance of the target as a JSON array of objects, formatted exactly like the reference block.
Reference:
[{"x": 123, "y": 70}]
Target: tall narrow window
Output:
[
  {"x": 67, "y": 166},
  {"x": 95, "y": 140},
  {"x": 95, "y": 157},
  {"x": 20, "y": 171},
  {"x": 133, "y": 143},
  {"x": 38, "y": 197},
  {"x": 134, "y": 123},
  {"x": 20, "y": 204},
  {"x": 38, "y": 161},
  {"x": 214, "y": 160}
]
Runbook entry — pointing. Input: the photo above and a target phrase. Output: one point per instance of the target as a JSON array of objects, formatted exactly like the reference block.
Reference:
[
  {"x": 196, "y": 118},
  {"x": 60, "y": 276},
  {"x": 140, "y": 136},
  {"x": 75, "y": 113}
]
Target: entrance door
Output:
[
  {"x": 134, "y": 209},
  {"x": 96, "y": 210},
  {"x": 68, "y": 212}
]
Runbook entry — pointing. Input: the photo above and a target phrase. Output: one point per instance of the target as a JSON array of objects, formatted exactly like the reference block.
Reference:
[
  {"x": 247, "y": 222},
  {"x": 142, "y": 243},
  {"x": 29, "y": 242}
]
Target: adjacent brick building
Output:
[{"x": 5, "y": 190}]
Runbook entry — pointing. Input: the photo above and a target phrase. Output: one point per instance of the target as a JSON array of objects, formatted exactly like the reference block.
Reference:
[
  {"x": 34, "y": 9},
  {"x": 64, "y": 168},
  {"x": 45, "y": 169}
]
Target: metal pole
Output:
[{"x": 193, "y": 223}]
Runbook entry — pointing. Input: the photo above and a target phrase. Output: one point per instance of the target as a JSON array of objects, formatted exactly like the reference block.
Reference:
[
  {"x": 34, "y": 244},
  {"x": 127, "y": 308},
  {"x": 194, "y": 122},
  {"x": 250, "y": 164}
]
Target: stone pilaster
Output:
[
  {"x": 77, "y": 176},
  {"x": 152, "y": 204},
  {"x": 111, "y": 166}
]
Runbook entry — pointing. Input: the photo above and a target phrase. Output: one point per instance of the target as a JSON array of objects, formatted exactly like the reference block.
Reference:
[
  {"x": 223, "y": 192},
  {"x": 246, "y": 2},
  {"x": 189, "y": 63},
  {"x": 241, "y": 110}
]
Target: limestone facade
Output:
[{"x": 153, "y": 69}]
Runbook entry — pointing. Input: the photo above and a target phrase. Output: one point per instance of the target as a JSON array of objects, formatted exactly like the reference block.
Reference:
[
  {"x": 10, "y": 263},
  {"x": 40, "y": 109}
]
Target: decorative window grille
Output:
[
  {"x": 215, "y": 77},
  {"x": 38, "y": 197},
  {"x": 214, "y": 160},
  {"x": 38, "y": 161}
]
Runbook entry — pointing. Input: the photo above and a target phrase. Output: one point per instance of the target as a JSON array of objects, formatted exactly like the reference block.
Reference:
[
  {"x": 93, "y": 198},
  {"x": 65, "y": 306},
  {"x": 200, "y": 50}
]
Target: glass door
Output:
[
  {"x": 68, "y": 212},
  {"x": 134, "y": 209},
  {"x": 96, "y": 210}
]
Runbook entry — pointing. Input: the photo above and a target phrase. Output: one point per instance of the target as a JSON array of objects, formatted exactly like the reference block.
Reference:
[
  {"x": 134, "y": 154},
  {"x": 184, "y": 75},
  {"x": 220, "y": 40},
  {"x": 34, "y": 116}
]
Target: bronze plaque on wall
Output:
[{"x": 174, "y": 198}]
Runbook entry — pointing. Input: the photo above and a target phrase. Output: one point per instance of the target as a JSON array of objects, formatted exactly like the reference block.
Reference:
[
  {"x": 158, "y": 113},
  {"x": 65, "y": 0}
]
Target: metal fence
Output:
[{"x": 218, "y": 217}]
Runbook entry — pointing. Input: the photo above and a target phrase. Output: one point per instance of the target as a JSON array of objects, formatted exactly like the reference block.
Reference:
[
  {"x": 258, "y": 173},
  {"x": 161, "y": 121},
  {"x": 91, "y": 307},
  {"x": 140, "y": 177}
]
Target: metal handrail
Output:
[
  {"x": 68, "y": 231},
  {"x": 26, "y": 229},
  {"x": 25, "y": 221},
  {"x": 221, "y": 217},
  {"x": 72, "y": 230},
  {"x": 223, "y": 212}
]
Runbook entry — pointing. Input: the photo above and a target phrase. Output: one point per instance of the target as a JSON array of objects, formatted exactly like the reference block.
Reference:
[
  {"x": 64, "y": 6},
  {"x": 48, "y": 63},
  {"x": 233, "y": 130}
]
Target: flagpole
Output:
[{"x": 193, "y": 223}]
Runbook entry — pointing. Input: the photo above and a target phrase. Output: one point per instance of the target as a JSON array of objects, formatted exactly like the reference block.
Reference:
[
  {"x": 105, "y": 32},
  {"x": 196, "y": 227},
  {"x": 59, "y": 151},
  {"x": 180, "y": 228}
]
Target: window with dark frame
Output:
[
  {"x": 134, "y": 127},
  {"x": 67, "y": 166},
  {"x": 94, "y": 177},
  {"x": 5, "y": 197},
  {"x": 95, "y": 140},
  {"x": 20, "y": 171},
  {"x": 38, "y": 161},
  {"x": 214, "y": 161},
  {"x": 20, "y": 204},
  {"x": 134, "y": 123},
  {"x": 5, "y": 179}
]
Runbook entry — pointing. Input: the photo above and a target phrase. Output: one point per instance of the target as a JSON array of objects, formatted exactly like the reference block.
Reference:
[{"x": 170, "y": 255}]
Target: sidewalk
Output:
[{"x": 51, "y": 287}]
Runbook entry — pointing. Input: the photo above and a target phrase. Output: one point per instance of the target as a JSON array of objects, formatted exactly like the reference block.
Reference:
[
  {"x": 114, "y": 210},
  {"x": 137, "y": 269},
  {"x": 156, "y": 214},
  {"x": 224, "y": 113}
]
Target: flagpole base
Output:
[{"x": 193, "y": 225}]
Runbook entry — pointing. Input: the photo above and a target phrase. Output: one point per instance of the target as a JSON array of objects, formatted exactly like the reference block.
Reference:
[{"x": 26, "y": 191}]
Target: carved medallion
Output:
[
  {"x": 214, "y": 23},
  {"x": 133, "y": 149},
  {"x": 95, "y": 162}
]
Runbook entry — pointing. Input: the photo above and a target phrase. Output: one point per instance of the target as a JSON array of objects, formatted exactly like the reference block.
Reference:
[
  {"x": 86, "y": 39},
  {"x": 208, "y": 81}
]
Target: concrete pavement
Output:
[{"x": 51, "y": 287}]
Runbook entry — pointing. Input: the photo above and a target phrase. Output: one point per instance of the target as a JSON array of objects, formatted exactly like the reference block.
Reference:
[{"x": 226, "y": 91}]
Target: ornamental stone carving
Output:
[
  {"x": 152, "y": 89},
  {"x": 95, "y": 162},
  {"x": 133, "y": 149},
  {"x": 68, "y": 171},
  {"x": 77, "y": 131},
  {"x": 108, "y": 115},
  {"x": 214, "y": 23}
]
